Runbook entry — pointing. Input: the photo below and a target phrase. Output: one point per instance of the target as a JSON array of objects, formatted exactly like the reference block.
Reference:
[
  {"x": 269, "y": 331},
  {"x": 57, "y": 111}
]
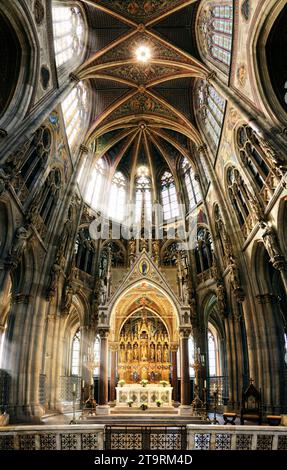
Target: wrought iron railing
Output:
[{"x": 145, "y": 437}]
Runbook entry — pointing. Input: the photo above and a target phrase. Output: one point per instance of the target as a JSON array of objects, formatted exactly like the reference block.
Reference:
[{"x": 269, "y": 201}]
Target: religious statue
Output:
[
  {"x": 136, "y": 352},
  {"x": 152, "y": 352},
  {"x": 122, "y": 355},
  {"x": 103, "y": 292},
  {"x": 271, "y": 243},
  {"x": 69, "y": 292},
  {"x": 144, "y": 352},
  {"x": 132, "y": 247},
  {"x": 234, "y": 274},
  {"x": 158, "y": 355},
  {"x": 165, "y": 354},
  {"x": 155, "y": 249},
  {"x": 130, "y": 355},
  {"x": 185, "y": 295},
  {"x": 20, "y": 241}
]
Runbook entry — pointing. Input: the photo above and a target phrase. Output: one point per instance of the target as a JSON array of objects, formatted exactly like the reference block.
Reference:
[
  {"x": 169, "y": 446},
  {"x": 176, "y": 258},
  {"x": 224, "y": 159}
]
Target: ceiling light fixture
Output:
[{"x": 143, "y": 53}]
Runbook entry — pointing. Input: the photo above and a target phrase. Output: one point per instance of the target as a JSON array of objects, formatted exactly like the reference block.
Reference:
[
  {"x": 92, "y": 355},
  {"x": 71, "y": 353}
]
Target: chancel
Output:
[{"x": 143, "y": 225}]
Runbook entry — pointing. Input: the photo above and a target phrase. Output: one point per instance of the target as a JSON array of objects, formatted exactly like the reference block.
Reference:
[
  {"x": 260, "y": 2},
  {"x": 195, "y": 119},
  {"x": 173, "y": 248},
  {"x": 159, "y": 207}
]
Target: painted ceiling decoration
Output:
[{"x": 151, "y": 120}]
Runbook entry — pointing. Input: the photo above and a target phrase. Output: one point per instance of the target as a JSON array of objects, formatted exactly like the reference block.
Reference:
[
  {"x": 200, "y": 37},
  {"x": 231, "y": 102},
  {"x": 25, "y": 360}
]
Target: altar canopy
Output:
[{"x": 144, "y": 349}]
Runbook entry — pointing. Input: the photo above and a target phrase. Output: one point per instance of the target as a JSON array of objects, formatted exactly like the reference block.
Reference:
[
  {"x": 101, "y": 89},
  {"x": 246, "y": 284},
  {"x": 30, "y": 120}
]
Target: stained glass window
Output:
[
  {"x": 191, "y": 185},
  {"x": 95, "y": 190},
  {"x": 211, "y": 111},
  {"x": 76, "y": 111},
  {"x": 69, "y": 33},
  {"x": 220, "y": 40},
  {"x": 117, "y": 197},
  {"x": 169, "y": 196},
  {"x": 143, "y": 193},
  {"x": 76, "y": 346}
]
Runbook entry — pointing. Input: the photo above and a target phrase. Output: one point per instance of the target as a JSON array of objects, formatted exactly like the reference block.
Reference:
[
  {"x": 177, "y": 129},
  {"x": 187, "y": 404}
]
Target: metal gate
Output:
[{"x": 136, "y": 437}]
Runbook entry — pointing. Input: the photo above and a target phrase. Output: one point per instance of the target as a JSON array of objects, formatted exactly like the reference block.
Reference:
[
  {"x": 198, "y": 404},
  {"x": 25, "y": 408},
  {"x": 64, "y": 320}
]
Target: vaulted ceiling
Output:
[{"x": 142, "y": 112}]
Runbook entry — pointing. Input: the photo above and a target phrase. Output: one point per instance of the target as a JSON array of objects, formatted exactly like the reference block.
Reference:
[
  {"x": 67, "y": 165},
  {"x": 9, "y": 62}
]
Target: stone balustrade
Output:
[
  {"x": 224, "y": 437},
  {"x": 66, "y": 437}
]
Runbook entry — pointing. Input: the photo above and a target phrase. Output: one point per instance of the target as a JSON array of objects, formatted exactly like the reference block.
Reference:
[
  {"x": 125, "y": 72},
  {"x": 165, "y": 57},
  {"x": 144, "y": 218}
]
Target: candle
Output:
[
  {"x": 83, "y": 383},
  {"x": 205, "y": 384},
  {"x": 74, "y": 387},
  {"x": 214, "y": 387},
  {"x": 92, "y": 381}
]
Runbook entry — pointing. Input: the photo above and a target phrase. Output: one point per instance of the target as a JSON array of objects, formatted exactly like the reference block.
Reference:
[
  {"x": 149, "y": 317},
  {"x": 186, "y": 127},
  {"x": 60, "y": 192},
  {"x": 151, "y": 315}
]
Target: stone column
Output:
[
  {"x": 174, "y": 379},
  {"x": 113, "y": 349},
  {"x": 185, "y": 398},
  {"x": 103, "y": 407}
]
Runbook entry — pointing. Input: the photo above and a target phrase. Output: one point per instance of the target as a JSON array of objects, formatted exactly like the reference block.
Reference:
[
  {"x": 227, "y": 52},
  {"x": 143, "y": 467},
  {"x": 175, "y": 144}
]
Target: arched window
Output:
[
  {"x": 212, "y": 353},
  {"x": 10, "y": 68},
  {"x": 118, "y": 197},
  {"x": 169, "y": 196},
  {"x": 254, "y": 159},
  {"x": 191, "y": 185},
  {"x": 34, "y": 155},
  {"x": 76, "y": 112},
  {"x": 76, "y": 348},
  {"x": 238, "y": 195},
  {"x": 69, "y": 32},
  {"x": 85, "y": 251},
  {"x": 216, "y": 29},
  {"x": 95, "y": 191},
  {"x": 143, "y": 195},
  {"x": 210, "y": 107},
  {"x": 203, "y": 250},
  {"x": 49, "y": 195}
]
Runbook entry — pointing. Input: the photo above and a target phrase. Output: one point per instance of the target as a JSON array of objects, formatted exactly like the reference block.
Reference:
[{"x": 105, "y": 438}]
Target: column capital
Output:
[
  {"x": 103, "y": 332},
  {"x": 74, "y": 78},
  {"x": 84, "y": 148},
  {"x": 202, "y": 148},
  {"x": 114, "y": 346},
  {"x": 173, "y": 347},
  {"x": 184, "y": 333}
]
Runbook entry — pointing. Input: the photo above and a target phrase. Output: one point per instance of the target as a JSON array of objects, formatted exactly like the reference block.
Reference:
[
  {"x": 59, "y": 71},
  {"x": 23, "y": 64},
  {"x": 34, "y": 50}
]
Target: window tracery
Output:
[
  {"x": 255, "y": 161},
  {"x": 191, "y": 185},
  {"x": 143, "y": 193},
  {"x": 169, "y": 197},
  {"x": 238, "y": 195},
  {"x": 69, "y": 32},
  {"x": 117, "y": 197},
  {"x": 210, "y": 108},
  {"x": 76, "y": 111},
  {"x": 95, "y": 192},
  {"x": 203, "y": 250},
  {"x": 216, "y": 28},
  {"x": 76, "y": 346}
]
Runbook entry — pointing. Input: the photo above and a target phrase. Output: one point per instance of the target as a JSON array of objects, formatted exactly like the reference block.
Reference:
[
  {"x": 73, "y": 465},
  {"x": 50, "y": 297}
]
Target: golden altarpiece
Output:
[{"x": 144, "y": 350}]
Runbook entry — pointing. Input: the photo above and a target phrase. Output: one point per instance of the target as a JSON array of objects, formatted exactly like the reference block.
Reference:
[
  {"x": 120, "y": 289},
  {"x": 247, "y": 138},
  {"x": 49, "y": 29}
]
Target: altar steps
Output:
[{"x": 120, "y": 410}]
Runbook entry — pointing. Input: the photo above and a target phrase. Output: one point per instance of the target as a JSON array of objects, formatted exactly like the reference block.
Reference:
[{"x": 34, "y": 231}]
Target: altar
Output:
[{"x": 136, "y": 394}]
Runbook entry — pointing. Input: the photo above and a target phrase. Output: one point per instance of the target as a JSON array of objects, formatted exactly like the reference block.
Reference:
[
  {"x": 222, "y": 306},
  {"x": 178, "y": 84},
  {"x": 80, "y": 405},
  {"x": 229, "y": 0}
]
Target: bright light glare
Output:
[{"x": 143, "y": 53}]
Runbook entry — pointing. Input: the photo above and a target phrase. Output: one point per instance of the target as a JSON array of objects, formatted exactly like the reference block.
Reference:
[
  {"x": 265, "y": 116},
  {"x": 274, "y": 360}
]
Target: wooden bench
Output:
[
  {"x": 229, "y": 418},
  {"x": 273, "y": 420}
]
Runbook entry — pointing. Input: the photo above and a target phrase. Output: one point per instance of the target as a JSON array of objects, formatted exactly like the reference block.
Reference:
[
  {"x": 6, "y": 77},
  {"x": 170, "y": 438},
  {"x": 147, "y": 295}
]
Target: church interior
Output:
[{"x": 143, "y": 224}]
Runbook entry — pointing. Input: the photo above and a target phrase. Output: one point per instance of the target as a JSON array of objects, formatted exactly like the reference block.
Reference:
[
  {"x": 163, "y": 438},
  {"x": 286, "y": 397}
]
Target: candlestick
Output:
[
  {"x": 205, "y": 384},
  {"x": 83, "y": 383},
  {"x": 74, "y": 387}
]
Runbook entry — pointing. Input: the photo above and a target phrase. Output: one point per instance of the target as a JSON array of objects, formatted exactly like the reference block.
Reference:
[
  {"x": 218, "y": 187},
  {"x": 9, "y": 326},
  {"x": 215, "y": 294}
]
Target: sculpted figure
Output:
[{"x": 271, "y": 243}]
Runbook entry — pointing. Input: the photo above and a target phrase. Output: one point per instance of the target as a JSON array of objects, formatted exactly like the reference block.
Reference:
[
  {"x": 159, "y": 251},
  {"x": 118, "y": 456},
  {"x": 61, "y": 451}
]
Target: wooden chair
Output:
[{"x": 251, "y": 405}]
